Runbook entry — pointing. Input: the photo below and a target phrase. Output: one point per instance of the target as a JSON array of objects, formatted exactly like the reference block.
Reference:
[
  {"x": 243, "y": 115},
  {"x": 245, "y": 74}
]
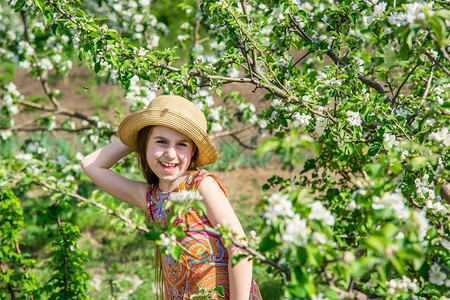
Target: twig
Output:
[
  {"x": 399, "y": 127},
  {"x": 58, "y": 110},
  {"x": 241, "y": 143},
  {"x": 442, "y": 49},
  {"x": 42, "y": 78},
  {"x": 427, "y": 88},
  {"x": 443, "y": 267},
  {"x": 247, "y": 18},
  {"x": 403, "y": 83},
  {"x": 237, "y": 243},
  {"x": 96, "y": 204},
  {"x": 10, "y": 288},
  {"x": 301, "y": 58},
  {"x": 337, "y": 60},
  {"x": 437, "y": 63}
]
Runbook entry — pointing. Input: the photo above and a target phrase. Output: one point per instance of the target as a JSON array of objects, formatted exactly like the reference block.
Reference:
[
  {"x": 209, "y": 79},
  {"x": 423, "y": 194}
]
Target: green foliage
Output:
[{"x": 358, "y": 117}]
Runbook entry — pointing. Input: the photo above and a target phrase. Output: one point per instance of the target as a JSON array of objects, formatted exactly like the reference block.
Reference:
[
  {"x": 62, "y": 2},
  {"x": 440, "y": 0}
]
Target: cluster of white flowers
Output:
[
  {"x": 139, "y": 94},
  {"x": 421, "y": 221},
  {"x": 215, "y": 116},
  {"x": 250, "y": 111},
  {"x": 319, "y": 212},
  {"x": 185, "y": 196},
  {"x": 321, "y": 125},
  {"x": 378, "y": 11},
  {"x": 279, "y": 206},
  {"x": 442, "y": 135},
  {"x": 23, "y": 156},
  {"x": 167, "y": 241},
  {"x": 140, "y": 52},
  {"x": 424, "y": 187},
  {"x": 354, "y": 118},
  {"x": 34, "y": 147},
  {"x": 405, "y": 284},
  {"x": 390, "y": 141},
  {"x": 437, "y": 277},
  {"x": 415, "y": 12},
  {"x": 300, "y": 120},
  {"x": 295, "y": 231},
  {"x": 437, "y": 206},
  {"x": 393, "y": 201}
]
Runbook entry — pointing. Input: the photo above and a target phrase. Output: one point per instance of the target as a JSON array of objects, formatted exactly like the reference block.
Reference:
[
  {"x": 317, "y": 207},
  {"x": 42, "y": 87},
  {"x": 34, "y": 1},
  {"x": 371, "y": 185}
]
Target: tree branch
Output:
[
  {"x": 337, "y": 60},
  {"x": 42, "y": 78},
  {"x": 427, "y": 88},
  {"x": 237, "y": 243},
  {"x": 430, "y": 57},
  {"x": 403, "y": 83},
  {"x": 128, "y": 221}
]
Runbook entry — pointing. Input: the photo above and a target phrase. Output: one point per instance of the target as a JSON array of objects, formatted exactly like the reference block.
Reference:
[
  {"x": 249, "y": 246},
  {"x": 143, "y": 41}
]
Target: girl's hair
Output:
[{"x": 142, "y": 141}]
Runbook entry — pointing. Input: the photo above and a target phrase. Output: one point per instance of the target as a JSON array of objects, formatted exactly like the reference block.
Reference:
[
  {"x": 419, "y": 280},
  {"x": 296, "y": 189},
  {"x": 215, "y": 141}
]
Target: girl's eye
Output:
[
  {"x": 182, "y": 145},
  {"x": 160, "y": 142}
]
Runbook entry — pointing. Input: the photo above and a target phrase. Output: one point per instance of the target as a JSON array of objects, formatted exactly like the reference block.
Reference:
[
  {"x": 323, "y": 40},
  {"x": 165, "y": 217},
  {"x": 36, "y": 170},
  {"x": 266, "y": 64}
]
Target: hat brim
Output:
[{"x": 132, "y": 124}]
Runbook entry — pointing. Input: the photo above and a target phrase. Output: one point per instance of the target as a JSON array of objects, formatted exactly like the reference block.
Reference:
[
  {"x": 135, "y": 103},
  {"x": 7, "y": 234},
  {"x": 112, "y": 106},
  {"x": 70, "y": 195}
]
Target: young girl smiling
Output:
[{"x": 170, "y": 139}]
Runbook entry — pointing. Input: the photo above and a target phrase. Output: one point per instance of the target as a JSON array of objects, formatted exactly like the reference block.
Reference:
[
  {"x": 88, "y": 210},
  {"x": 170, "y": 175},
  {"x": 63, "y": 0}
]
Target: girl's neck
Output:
[{"x": 167, "y": 187}]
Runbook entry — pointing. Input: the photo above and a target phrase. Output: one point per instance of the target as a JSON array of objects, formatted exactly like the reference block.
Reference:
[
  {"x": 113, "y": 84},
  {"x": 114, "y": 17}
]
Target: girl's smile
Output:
[{"x": 169, "y": 155}]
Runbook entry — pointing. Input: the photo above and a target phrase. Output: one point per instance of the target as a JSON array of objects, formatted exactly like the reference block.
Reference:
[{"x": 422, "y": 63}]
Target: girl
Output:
[{"x": 170, "y": 139}]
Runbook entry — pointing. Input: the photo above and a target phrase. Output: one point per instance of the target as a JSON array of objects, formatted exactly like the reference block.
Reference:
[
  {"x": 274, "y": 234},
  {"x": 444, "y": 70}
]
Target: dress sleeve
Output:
[{"x": 202, "y": 174}]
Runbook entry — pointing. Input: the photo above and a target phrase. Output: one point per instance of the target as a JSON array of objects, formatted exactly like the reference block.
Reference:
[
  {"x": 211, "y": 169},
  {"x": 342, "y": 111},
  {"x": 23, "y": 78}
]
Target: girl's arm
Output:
[
  {"x": 97, "y": 167},
  {"x": 221, "y": 212}
]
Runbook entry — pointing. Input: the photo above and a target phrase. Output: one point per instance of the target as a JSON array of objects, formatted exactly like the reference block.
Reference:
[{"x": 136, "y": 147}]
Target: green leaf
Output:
[
  {"x": 267, "y": 146},
  {"x": 267, "y": 243},
  {"x": 373, "y": 170},
  {"x": 175, "y": 252},
  {"x": 237, "y": 258},
  {"x": 373, "y": 149},
  {"x": 219, "y": 291}
]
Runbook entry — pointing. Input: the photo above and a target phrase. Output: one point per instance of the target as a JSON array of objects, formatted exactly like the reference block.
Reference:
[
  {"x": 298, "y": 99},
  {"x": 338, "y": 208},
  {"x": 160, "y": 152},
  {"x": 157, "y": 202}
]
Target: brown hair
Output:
[{"x": 142, "y": 141}]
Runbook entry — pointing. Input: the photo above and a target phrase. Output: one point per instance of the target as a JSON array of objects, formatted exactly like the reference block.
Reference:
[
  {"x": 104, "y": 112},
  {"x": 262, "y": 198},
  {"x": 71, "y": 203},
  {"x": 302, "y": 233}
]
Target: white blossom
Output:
[
  {"x": 5, "y": 134},
  {"x": 295, "y": 231},
  {"x": 442, "y": 135},
  {"x": 24, "y": 156},
  {"x": 183, "y": 196},
  {"x": 301, "y": 120},
  {"x": 390, "y": 140},
  {"x": 46, "y": 64},
  {"x": 446, "y": 244},
  {"x": 354, "y": 118},
  {"x": 397, "y": 18},
  {"x": 392, "y": 201},
  {"x": 379, "y": 9},
  {"x": 437, "y": 278},
  {"x": 319, "y": 212},
  {"x": 279, "y": 205},
  {"x": 321, "y": 125},
  {"x": 216, "y": 127}
]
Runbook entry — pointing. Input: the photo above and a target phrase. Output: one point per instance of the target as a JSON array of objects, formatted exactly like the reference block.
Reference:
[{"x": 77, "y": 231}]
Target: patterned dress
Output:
[{"x": 204, "y": 261}]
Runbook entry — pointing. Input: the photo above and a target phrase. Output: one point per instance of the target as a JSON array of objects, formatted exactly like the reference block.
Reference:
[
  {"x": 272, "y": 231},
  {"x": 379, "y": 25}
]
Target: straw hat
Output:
[{"x": 174, "y": 112}]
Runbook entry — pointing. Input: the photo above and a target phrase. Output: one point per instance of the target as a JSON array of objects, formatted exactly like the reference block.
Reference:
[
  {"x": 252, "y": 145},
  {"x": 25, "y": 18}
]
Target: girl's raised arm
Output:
[
  {"x": 219, "y": 211},
  {"x": 97, "y": 167}
]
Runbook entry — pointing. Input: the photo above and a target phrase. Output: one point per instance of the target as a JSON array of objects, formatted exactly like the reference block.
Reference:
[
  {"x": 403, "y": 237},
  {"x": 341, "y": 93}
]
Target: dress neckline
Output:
[{"x": 177, "y": 188}]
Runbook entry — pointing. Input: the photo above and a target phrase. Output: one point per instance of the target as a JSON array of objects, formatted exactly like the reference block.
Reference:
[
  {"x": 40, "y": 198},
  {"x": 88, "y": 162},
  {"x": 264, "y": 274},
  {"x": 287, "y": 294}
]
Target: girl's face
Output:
[{"x": 169, "y": 155}]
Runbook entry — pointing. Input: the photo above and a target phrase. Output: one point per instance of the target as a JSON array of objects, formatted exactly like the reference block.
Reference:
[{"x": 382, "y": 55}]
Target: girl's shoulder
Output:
[{"x": 199, "y": 175}]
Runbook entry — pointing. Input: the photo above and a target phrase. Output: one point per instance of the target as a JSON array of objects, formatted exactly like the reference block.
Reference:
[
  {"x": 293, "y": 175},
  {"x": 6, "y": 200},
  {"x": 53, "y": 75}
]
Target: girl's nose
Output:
[{"x": 170, "y": 153}]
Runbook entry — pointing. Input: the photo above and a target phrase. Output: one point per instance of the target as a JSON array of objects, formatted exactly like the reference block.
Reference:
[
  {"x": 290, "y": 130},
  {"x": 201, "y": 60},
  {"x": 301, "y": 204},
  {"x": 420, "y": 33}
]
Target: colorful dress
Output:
[{"x": 204, "y": 261}]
